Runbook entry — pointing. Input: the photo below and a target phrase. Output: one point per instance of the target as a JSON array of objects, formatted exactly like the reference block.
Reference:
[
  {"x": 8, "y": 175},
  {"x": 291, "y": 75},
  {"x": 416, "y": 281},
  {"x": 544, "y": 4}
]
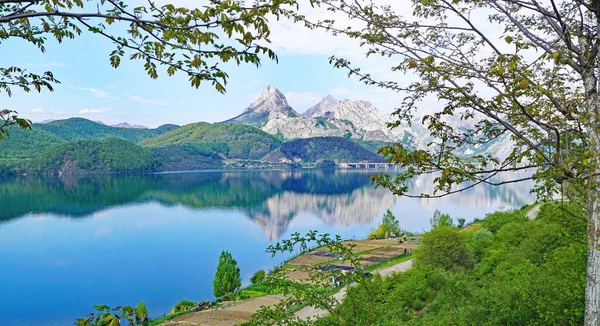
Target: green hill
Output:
[
  {"x": 229, "y": 140},
  {"x": 332, "y": 148},
  {"x": 24, "y": 144},
  {"x": 92, "y": 156},
  {"x": 185, "y": 157},
  {"x": 74, "y": 129}
]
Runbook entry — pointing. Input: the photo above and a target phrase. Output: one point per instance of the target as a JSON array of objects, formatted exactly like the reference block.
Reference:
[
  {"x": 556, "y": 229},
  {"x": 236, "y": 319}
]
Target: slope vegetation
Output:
[
  {"x": 74, "y": 129},
  {"x": 332, "y": 148},
  {"x": 229, "y": 140},
  {"x": 92, "y": 156}
]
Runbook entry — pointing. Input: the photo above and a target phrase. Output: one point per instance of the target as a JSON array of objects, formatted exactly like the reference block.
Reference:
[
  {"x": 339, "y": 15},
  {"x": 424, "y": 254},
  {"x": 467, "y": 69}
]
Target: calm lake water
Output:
[{"x": 67, "y": 244}]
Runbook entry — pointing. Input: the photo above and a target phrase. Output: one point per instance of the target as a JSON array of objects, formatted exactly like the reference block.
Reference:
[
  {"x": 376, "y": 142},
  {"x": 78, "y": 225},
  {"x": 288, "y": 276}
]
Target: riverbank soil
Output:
[
  {"x": 371, "y": 252},
  {"x": 228, "y": 315}
]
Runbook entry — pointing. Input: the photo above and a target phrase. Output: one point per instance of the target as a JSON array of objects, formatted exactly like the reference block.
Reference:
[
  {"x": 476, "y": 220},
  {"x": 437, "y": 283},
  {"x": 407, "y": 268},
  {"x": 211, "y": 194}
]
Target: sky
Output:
[{"x": 92, "y": 89}]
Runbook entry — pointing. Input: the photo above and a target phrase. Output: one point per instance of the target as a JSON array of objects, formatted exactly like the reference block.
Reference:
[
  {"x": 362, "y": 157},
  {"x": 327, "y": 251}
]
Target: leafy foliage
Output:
[
  {"x": 109, "y": 317},
  {"x": 388, "y": 228},
  {"x": 534, "y": 84},
  {"x": 141, "y": 313},
  {"x": 191, "y": 41},
  {"x": 440, "y": 219},
  {"x": 258, "y": 277},
  {"x": 227, "y": 278},
  {"x": 527, "y": 273},
  {"x": 183, "y": 305},
  {"x": 444, "y": 247}
]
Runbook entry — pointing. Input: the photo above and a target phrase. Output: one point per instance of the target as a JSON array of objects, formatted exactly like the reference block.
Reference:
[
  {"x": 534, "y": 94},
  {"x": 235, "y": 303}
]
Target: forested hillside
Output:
[
  {"x": 333, "y": 148},
  {"x": 79, "y": 146},
  {"x": 92, "y": 156},
  {"x": 74, "y": 129},
  {"x": 230, "y": 140},
  {"x": 502, "y": 270}
]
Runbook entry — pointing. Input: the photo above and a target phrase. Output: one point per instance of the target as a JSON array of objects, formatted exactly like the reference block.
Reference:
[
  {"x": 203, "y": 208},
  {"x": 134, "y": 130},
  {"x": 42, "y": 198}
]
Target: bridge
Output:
[{"x": 368, "y": 165}]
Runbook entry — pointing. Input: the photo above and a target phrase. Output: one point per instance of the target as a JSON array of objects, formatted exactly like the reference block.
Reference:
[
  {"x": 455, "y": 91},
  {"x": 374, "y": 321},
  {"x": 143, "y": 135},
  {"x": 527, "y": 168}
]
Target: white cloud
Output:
[
  {"x": 303, "y": 99},
  {"x": 96, "y": 92},
  {"x": 145, "y": 101},
  {"x": 98, "y": 110},
  {"x": 37, "y": 110},
  {"x": 257, "y": 82}
]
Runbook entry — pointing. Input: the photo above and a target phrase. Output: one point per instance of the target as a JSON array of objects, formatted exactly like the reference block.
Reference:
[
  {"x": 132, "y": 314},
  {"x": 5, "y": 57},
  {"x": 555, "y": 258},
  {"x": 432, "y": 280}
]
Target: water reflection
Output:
[{"x": 271, "y": 199}]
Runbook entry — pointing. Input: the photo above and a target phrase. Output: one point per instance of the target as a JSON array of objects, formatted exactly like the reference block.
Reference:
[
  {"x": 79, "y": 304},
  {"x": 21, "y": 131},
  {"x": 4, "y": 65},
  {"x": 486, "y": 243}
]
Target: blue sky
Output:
[{"x": 92, "y": 89}]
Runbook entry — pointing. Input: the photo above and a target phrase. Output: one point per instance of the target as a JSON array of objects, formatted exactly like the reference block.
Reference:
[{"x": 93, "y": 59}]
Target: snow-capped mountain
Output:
[
  {"x": 322, "y": 109},
  {"x": 271, "y": 104},
  {"x": 127, "y": 125}
]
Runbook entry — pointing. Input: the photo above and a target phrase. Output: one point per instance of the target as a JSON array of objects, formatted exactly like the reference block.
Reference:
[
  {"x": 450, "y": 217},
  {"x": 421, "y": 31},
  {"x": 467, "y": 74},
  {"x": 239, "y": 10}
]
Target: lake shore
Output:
[{"x": 377, "y": 256}]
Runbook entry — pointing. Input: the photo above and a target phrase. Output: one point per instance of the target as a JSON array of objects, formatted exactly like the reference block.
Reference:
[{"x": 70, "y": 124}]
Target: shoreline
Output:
[{"x": 294, "y": 271}]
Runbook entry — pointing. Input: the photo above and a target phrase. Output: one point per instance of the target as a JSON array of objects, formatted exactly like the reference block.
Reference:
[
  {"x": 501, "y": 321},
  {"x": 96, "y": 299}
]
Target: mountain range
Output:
[
  {"x": 268, "y": 133},
  {"x": 356, "y": 120}
]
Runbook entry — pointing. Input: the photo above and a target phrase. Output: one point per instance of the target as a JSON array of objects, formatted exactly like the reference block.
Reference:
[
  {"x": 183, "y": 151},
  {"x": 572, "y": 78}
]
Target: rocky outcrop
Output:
[
  {"x": 323, "y": 108},
  {"x": 271, "y": 104}
]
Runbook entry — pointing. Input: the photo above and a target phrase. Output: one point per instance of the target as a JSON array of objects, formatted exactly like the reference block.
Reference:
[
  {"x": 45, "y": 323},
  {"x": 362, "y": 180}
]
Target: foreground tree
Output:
[
  {"x": 175, "y": 38},
  {"x": 227, "y": 278},
  {"x": 523, "y": 70}
]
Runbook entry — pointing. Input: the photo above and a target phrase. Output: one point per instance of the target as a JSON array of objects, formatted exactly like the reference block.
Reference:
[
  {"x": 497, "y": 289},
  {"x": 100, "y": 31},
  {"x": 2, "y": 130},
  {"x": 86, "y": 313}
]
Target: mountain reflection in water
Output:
[{"x": 272, "y": 199}]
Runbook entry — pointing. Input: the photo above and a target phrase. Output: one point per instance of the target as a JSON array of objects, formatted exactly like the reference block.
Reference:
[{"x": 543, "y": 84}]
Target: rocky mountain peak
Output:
[
  {"x": 270, "y": 105},
  {"x": 271, "y": 99},
  {"x": 362, "y": 112},
  {"x": 323, "y": 108},
  {"x": 128, "y": 126}
]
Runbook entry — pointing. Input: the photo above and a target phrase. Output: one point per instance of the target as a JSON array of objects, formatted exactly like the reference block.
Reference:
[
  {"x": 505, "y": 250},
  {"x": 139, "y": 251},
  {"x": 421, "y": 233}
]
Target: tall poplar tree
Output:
[{"x": 227, "y": 278}]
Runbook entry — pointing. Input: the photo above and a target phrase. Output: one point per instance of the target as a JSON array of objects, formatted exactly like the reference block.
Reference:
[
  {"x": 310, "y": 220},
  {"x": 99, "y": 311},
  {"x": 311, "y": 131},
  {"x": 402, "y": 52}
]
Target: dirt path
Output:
[
  {"x": 533, "y": 213},
  {"x": 310, "y": 312}
]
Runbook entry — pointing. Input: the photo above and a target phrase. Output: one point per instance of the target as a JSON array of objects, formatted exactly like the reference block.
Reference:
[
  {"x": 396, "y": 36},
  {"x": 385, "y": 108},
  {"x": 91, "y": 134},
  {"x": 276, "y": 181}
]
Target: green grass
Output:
[{"x": 168, "y": 317}]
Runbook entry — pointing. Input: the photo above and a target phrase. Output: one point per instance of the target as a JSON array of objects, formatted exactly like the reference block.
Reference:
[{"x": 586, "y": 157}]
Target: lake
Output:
[{"x": 67, "y": 244}]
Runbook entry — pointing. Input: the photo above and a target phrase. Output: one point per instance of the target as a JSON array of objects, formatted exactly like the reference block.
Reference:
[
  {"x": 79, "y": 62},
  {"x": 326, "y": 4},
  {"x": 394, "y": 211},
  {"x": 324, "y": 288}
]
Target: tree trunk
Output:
[{"x": 592, "y": 286}]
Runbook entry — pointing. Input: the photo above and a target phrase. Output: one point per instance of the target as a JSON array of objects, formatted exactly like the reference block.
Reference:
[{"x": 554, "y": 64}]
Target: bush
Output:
[
  {"x": 258, "y": 277},
  {"x": 445, "y": 248},
  {"x": 183, "y": 305},
  {"x": 141, "y": 313},
  {"x": 495, "y": 221},
  {"x": 480, "y": 240}
]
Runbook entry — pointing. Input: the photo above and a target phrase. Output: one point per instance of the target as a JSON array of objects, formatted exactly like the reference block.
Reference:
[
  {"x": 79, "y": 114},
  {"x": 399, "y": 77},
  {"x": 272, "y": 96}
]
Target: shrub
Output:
[
  {"x": 445, "y": 248},
  {"x": 258, "y": 277},
  {"x": 183, "y": 305},
  {"x": 495, "y": 221},
  {"x": 480, "y": 240},
  {"x": 141, "y": 313}
]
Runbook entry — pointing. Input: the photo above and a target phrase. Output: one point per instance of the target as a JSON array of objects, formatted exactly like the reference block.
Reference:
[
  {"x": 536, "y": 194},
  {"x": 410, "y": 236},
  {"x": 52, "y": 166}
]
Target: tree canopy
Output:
[
  {"x": 178, "y": 39},
  {"x": 227, "y": 278},
  {"x": 523, "y": 70}
]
